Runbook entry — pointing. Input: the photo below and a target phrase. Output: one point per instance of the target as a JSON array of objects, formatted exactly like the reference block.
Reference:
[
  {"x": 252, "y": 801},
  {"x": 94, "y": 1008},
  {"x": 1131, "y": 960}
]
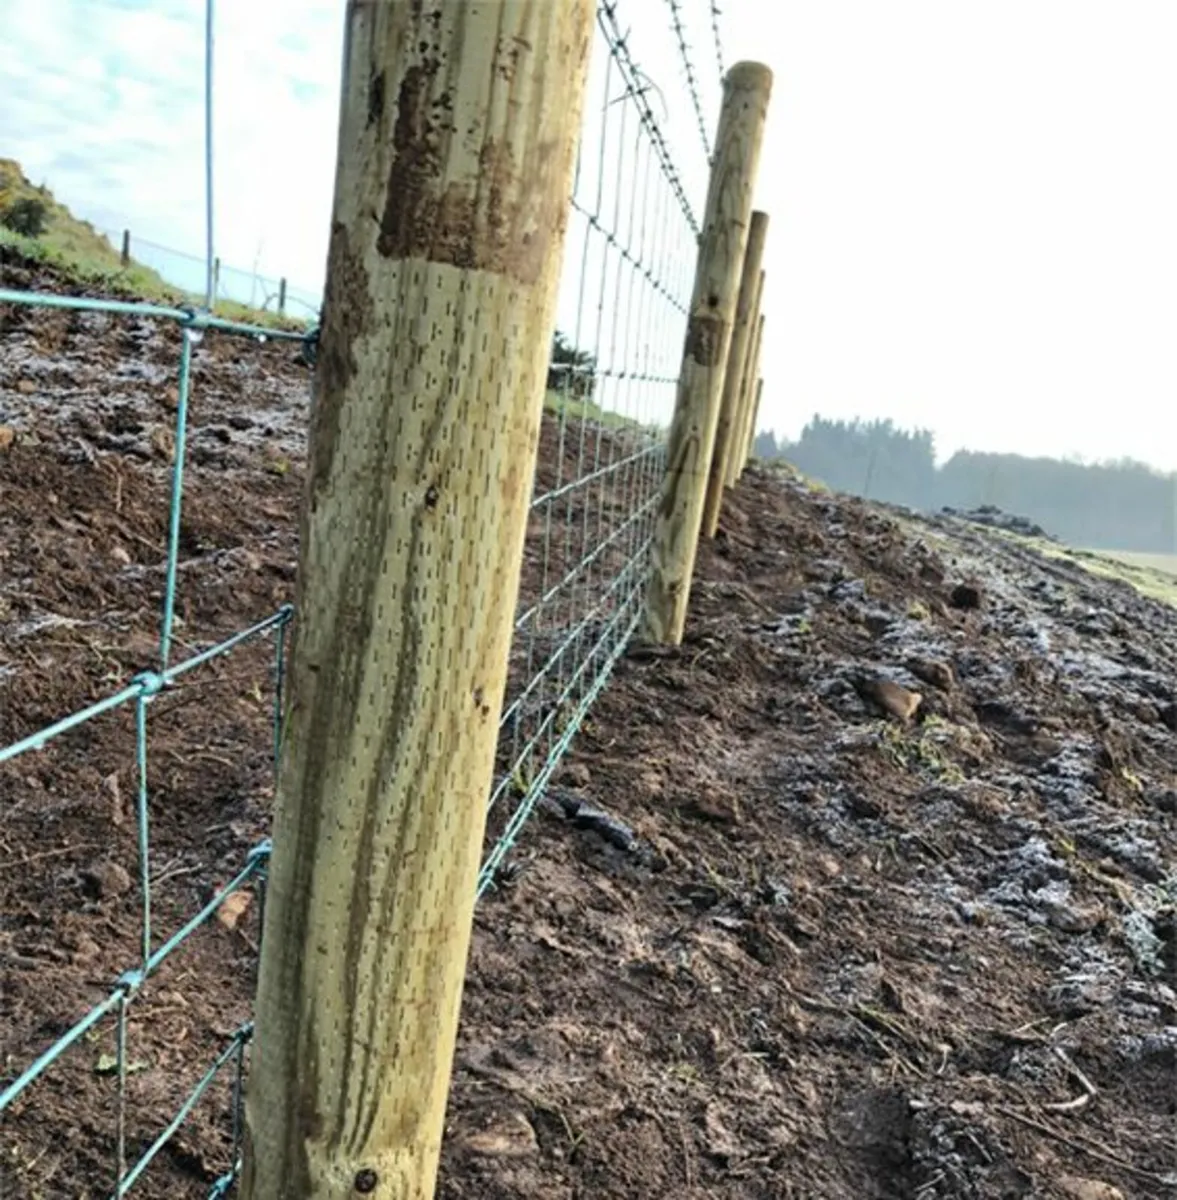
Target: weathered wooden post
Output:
[
  {"x": 282, "y": 296},
  {"x": 747, "y": 88},
  {"x": 751, "y": 398},
  {"x": 125, "y": 253},
  {"x": 752, "y": 427},
  {"x": 729, "y": 427},
  {"x": 458, "y": 131}
]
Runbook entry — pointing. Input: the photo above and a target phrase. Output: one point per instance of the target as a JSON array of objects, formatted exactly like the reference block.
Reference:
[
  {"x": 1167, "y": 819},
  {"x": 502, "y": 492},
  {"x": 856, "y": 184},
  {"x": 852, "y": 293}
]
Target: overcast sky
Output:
[{"x": 973, "y": 206}]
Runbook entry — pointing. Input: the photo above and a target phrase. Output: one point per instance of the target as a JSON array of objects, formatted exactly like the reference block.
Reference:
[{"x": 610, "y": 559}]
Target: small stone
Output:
[
  {"x": 576, "y": 775},
  {"x": 120, "y": 556},
  {"x": 163, "y": 441},
  {"x": 722, "y": 810},
  {"x": 966, "y": 595},
  {"x": 1077, "y": 1188},
  {"x": 234, "y": 906},
  {"x": 898, "y": 701},
  {"x": 7, "y": 436},
  {"x": 513, "y": 1137},
  {"x": 932, "y": 672},
  {"x": 171, "y": 397},
  {"x": 829, "y": 866},
  {"x": 1073, "y": 918},
  {"x": 721, "y": 1142},
  {"x": 26, "y": 387},
  {"x": 84, "y": 950},
  {"x": 106, "y": 880}
]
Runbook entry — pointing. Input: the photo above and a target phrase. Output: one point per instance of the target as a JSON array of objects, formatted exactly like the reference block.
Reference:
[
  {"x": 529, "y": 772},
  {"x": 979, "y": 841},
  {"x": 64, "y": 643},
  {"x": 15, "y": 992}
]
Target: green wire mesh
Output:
[{"x": 630, "y": 257}]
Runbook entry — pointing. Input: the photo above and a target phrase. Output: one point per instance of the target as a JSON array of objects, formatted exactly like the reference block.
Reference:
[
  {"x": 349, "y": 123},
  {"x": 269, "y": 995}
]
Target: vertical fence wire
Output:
[{"x": 630, "y": 260}]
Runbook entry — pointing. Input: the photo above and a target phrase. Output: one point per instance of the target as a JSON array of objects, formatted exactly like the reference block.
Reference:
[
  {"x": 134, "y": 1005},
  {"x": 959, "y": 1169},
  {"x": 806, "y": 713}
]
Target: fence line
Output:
[
  {"x": 632, "y": 245},
  {"x": 632, "y": 237},
  {"x": 189, "y": 273}
]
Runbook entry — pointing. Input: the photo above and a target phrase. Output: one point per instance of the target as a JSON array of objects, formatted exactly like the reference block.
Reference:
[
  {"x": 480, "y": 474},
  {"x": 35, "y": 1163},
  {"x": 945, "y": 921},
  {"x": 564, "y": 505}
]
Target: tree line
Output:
[{"x": 1123, "y": 505}]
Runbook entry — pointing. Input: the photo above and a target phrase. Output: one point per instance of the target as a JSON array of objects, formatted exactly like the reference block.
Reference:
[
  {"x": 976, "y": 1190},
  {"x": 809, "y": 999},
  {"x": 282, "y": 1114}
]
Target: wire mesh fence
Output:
[
  {"x": 630, "y": 268},
  {"x": 109, "y": 1019},
  {"x": 630, "y": 258}
]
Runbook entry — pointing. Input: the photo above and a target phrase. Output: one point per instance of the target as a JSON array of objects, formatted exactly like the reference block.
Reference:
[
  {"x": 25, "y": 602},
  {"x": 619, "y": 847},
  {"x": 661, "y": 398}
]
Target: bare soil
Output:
[{"x": 851, "y": 951}]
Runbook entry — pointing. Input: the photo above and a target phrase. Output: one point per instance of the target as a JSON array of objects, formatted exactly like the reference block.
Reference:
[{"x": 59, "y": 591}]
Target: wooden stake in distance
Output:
[
  {"x": 458, "y": 131},
  {"x": 747, "y": 88},
  {"x": 752, "y": 427},
  {"x": 751, "y": 398},
  {"x": 730, "y": 427}
]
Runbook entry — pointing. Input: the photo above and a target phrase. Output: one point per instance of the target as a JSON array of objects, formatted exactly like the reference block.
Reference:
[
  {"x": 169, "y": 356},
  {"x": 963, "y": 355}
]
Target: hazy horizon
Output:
[{"x": 971, "y": 209}]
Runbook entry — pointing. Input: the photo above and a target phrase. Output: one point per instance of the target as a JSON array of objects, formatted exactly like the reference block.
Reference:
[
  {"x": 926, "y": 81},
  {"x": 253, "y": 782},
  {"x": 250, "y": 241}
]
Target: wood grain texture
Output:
[
  {"x": 458, "y": 131},
  {"x": 752, "y": 386},
  {"x": 747, "y": 89},
  {"x": 729, "y": 426}
]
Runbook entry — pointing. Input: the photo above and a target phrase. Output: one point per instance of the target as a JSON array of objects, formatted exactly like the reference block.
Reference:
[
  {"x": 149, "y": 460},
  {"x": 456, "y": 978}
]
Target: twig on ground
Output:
[
  {"x": 43, "y": 854},
  {"x": 1097, "y": 1152},
  {"x": 1088, "y": 1086}
]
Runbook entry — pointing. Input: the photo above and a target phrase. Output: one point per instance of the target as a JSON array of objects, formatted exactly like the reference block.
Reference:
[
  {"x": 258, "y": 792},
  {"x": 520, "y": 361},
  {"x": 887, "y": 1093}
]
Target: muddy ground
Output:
[{"x": 861, "y": 948}]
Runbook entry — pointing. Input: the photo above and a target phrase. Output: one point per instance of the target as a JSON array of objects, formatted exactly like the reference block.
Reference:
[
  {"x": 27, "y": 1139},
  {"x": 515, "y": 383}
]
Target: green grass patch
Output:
[
  {"x": 558, "y": 403},
  {"x": 77, "y": 249}
]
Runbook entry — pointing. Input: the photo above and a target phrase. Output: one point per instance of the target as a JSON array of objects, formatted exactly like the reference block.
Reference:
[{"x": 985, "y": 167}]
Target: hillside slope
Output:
[
  {"x": 76, "y": 249},
  {"x": 71, "y": 243},
  {"x": 863, "y": 947}
]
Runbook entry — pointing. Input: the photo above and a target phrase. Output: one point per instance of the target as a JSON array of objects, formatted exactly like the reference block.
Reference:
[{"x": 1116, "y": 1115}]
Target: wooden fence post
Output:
[
  {"x": 743, "y": 399},
  {"x": 729, "y": 428},
  {"x": 747, "y": 89},
  {"x": 282, "y": 296},
  {"x": 125, "y": 255},
  {"x": 458, "y": 131},
  {"x": 751, "y": 376},
  {"x": 752, "y": 427}
]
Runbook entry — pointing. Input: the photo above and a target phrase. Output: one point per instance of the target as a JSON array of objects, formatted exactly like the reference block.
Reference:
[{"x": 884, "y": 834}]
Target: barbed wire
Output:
[
  {"x": 689, "y": 68},
  {"x": 637, "y": 84},
  {"x": 718, "y": 40}
]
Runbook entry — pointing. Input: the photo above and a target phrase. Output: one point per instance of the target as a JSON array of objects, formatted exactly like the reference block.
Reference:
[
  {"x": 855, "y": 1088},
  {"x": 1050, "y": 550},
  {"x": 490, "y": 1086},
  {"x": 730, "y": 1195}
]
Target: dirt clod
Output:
[{"x": 106, "y": 880}]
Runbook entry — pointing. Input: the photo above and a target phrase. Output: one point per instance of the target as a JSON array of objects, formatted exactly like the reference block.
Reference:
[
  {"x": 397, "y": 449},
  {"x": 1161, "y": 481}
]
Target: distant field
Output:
[
  {"x": 1152, "y": 575},
  {"x": 1166, "y": 564}
]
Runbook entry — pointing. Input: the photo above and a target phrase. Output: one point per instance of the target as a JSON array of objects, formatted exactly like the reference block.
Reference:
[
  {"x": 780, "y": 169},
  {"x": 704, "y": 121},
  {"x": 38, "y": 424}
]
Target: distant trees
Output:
[
  {"x": 1118, "y": 505},
  {"x": 570, "y": 369}
]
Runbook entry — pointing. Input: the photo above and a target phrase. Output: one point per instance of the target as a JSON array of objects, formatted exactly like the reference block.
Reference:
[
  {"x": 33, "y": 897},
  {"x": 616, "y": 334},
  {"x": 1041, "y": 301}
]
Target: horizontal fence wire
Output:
[{"x": 629, "y": 265}]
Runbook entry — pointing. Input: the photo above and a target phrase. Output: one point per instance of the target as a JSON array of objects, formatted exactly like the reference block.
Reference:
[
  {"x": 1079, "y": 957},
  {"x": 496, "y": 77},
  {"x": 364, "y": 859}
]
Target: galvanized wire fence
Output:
[
  {"x": 630, "y": 262},
  {"x": 627, "y": 287}
]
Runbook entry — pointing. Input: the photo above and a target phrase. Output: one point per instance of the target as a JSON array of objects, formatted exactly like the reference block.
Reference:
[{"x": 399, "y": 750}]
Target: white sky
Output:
[{"x": 973, "y": 206}]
